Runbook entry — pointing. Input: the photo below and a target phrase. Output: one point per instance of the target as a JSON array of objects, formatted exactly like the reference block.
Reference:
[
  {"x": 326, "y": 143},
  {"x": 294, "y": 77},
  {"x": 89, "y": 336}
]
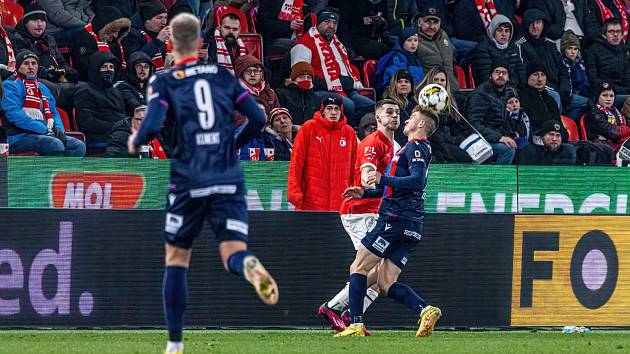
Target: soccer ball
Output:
[{"x": 433, "y": 96}]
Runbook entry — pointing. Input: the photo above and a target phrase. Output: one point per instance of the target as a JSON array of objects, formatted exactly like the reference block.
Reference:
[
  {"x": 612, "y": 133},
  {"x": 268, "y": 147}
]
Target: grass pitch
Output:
[{"x": 313, "y": 341}]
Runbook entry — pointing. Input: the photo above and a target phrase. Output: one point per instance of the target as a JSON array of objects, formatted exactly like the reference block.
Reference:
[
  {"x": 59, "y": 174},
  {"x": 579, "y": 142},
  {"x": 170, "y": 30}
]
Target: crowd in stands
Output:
[{"x": 543, "y": 81}]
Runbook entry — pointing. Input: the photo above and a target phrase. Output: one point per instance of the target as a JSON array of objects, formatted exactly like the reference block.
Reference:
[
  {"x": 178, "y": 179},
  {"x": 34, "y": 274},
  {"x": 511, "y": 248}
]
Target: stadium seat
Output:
[
  {"x": 11, "y": 14},
  {"x": 368, "y": 70},
  {"x": 68, "y": 127},
  {"x": 67, "y": 54},
  {"x": 368, "y": 92},
  {"x": 571, "y": 127},
  {"x": 460, "y": 75},
  {"x": 583, "y": 130},
  {"x": 221, "y": 11},
  {"x": 471, "y": 77},
  {"x": 254, "y": 45},
  {"x": 357, "y": 72}
]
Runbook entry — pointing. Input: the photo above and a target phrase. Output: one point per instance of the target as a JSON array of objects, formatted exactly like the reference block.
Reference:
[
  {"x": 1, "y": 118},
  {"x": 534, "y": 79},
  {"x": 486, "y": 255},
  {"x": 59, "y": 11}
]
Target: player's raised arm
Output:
[
  {"x": 157, "y": 107},
  {"x": 255, "y": 119}
]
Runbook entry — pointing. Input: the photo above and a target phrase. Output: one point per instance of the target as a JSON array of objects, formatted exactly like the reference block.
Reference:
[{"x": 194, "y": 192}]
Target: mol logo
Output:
[
  {"x": 95, "y": 190},
  {"x": 571, "y": 269}
]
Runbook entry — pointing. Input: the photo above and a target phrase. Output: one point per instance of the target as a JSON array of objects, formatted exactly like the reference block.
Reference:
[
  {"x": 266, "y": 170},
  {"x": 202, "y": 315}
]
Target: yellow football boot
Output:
[{"x": 429, "y": 316}]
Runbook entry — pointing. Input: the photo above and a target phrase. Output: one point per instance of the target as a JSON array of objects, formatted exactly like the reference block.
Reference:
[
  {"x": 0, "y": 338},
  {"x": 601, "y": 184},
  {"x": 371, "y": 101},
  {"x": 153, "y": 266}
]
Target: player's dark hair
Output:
[
  {"x": 381, "y": 103},
  {"x": 185, "y": 30},
  {"x": 433, "y": 118}
]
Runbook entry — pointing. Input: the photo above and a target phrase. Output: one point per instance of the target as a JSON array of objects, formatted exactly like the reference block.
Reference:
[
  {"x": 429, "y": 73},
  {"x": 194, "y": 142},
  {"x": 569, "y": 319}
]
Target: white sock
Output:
[
  {"x": 355, "y": 325},
  {"x": 172, "y": 347},
  {"x": 340, "y": 301},
  {"x": 370, "y": 297}
]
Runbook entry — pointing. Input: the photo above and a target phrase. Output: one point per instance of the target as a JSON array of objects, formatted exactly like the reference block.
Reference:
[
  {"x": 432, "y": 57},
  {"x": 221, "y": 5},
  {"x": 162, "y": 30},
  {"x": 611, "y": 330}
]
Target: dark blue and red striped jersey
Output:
[
  {"x": 199, "y": 100},
  {"x": 404, "y": 182}
]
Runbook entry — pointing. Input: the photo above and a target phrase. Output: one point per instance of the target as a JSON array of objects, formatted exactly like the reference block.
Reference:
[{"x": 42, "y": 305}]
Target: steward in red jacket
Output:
[{"x": 322, "y": 159}]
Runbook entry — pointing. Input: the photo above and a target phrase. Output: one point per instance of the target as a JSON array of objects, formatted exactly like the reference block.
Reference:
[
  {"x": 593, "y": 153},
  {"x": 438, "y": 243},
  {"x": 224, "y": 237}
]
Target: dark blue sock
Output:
[
  {"x": 404, "y": 294},
  {"x": 235, "y": 262},
  {"x": 357, "y": 290},
  {"x": 175, "y": 292}
]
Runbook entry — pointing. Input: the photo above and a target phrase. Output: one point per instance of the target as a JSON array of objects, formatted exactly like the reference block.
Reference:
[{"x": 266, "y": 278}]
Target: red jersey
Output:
[{"x": 374, "y": 150}]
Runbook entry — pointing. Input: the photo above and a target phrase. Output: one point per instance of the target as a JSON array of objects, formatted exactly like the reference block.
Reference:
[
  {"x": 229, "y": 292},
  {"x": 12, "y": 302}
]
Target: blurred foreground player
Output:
[
  {"x": 374, "y": 153},
  {"x": 206, "y": 177},
  {"x": 399, "y": 226}
]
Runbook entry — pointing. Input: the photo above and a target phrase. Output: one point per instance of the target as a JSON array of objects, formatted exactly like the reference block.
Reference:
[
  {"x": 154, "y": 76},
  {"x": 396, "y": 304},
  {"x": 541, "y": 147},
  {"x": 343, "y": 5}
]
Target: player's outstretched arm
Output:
[{"x": 255, "y": 120}]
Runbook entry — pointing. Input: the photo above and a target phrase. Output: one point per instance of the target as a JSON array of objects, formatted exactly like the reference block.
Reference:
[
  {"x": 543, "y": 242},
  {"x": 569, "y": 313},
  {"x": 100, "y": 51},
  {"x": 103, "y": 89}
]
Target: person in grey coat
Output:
[{"x": 65, "y": 18}]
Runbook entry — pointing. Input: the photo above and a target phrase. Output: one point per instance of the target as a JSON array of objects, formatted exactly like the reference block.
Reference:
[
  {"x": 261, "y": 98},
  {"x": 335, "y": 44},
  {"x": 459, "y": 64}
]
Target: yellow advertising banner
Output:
[{"x": 571, "y": 270}]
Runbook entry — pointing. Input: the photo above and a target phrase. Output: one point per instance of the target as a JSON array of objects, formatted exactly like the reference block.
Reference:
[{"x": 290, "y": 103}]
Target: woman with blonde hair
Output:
[
  {"x": 401, "y": 90},
  {"x": 452, "y": 129}
]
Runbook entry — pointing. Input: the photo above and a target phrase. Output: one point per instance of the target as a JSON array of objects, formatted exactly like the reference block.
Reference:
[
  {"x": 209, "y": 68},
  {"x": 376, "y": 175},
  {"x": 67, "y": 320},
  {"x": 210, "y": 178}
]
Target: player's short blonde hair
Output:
[
  {"x": 185, "y": 29},
  {"x": 429, "y": 116}
]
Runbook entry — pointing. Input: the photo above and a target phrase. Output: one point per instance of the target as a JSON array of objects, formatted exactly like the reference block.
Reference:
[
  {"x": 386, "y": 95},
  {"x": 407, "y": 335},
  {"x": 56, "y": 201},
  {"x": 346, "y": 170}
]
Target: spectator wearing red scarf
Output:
[{"x": 32, "y": 120}]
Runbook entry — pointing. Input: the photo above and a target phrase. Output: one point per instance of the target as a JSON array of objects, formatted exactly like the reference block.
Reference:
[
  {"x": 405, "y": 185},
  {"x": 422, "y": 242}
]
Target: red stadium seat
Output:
[
  {"x": 368, "y": 70},
  {"x": 254, "y": 45},
  {"x": 571, "y": 127},
  {"x": 368, "y": 92},
  {"x": 357, "y": 72},
  {"x": 68, "y": 127},
  {"x": 583, "y": 130},
  {"x": 221, "y": 11},
  {"x": 460, "y": 75},
  {"x": 11, "y": 14}
]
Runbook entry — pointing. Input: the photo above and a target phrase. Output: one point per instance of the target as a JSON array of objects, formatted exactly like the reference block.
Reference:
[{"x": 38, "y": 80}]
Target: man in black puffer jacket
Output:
[
  {"x": 587, "y": 27},
  {"x": 535, "y": 99},
  {"x": 98, "y": 104},
  {"x": 607, "y": 61},
  {"x": 488, "y": 114},
  {"x": 498, "y": 46},
  {"x": 134, "y": 87},
  {"x": 534, "y": 46}
]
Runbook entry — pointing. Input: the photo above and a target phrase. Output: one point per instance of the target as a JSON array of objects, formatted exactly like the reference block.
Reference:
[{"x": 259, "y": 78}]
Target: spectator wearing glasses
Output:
[
  {"x": 251, "y": 74},
  {"x": 119, "y": 134},
  {"x": 607, "y": 61}
]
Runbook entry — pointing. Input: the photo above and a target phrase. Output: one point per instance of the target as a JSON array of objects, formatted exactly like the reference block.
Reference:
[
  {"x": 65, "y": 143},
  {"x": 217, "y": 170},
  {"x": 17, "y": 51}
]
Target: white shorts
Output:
[{"x": 357, "y": 225}]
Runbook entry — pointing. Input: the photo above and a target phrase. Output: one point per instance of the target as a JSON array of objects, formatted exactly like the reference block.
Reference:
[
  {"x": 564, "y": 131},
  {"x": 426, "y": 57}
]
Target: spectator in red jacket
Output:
[{"x": 322, "y": 159}]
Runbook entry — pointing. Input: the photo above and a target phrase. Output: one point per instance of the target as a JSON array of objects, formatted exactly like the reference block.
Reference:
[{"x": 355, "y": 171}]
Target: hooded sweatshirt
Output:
[
  {"x": 489, "y": 51},
  {"x": 99, "y": 105},
  {"x": 134, "y": 93},
  {"x": 544, "y": 50}
]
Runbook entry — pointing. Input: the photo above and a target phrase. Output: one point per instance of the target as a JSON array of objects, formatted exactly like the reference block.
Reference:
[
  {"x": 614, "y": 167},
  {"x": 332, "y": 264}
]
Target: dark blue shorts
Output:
[
  {"x": 393, "y": 238},
  {"x": 186, "y": 211}
]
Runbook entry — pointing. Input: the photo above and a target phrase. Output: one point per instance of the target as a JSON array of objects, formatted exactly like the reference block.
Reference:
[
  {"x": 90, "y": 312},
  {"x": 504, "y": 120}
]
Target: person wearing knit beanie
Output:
[
  {"x": 150, "y": 9},
  {"x": 33, "y": 12},
  {"x": 569, "y": 39},
  {"x": 25, "y": 54},
  {"x": 301, "y": 68},
  {"x": 405, "y": 34}
]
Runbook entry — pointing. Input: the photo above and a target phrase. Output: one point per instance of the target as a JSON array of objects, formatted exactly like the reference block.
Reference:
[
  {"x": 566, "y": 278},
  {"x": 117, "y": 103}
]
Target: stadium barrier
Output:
[
  {"x": 97, "y": 183},
  {"x": 87, "y": 268}
]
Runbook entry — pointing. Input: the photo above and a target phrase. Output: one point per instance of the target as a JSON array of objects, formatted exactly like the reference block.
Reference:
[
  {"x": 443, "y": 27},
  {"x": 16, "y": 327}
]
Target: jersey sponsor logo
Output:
[
  {"x": 219, "y": 189},
  {"x": 238, "y": 226},
  {"x": 212, "y": 138},
  {"x": 93, "y": 190},
  {"x": 403, "y": 261},
  {"x": 369, "y": 151},
  {"x": 173, "y": 223},
  {"x": 412, "y": 234},
  {"x": 380, "y": 244},
  {"x": 195, "y": 70},
  {"x": 342, "y": 142}
]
